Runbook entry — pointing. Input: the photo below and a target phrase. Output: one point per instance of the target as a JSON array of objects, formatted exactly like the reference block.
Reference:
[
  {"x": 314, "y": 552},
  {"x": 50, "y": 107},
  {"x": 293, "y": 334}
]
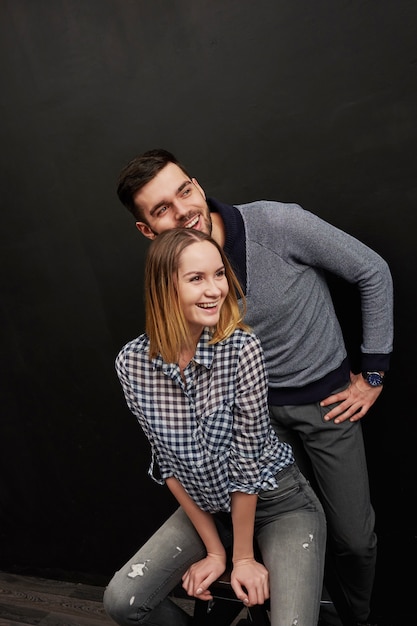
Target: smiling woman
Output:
[{"x": 197, "y": 383}]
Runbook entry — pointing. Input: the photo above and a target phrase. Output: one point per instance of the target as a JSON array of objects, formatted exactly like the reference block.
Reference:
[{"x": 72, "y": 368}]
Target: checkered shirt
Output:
[{"x": 211, "y": 431}]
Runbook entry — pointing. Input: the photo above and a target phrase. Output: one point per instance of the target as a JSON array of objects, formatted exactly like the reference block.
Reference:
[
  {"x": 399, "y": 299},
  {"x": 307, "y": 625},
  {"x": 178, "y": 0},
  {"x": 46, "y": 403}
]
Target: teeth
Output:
[
  {"x": 193, "y": 222},
  {"x": 208, "y": 305}
]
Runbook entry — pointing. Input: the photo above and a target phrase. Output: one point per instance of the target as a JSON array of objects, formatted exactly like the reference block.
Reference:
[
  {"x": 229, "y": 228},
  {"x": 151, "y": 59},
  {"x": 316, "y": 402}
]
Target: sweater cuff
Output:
[{"x": 375, "y": 362}]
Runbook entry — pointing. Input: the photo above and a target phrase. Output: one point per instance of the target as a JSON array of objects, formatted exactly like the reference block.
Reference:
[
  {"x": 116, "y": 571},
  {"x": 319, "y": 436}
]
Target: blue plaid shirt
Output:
[{"x": 211, "y": 431}]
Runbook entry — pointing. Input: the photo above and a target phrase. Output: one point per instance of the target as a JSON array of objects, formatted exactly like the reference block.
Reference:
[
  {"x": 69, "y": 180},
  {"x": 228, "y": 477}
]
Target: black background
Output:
[{"x": 296, "y": 100}]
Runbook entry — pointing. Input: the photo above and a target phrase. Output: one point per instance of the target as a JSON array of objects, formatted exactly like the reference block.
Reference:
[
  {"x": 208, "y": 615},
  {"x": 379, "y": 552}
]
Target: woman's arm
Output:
[
  {"x": 249, "y": 578},
  {"x": 243, "y": 519},
  {"x": 200, "y": 575}
]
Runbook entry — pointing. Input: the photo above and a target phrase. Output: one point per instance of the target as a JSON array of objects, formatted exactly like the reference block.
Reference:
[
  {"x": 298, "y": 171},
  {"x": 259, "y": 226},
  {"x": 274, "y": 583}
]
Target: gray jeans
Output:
[
  {"x": 290, "y": 531},
  {"x": 332, "y": 456}
]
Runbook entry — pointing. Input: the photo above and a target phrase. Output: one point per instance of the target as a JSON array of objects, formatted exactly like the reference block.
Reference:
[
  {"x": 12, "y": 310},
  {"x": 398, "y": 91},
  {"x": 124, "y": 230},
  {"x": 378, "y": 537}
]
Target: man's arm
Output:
[{"x": 325, "y": 246}]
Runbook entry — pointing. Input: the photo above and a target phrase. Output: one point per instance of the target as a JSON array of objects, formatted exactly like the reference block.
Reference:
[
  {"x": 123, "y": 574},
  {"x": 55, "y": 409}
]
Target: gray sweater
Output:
[{"x": 280, "y": 252}]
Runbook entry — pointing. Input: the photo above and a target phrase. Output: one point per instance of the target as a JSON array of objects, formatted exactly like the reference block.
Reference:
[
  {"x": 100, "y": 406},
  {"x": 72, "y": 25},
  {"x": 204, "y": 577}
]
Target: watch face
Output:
[{"x": 374, "y": 379}]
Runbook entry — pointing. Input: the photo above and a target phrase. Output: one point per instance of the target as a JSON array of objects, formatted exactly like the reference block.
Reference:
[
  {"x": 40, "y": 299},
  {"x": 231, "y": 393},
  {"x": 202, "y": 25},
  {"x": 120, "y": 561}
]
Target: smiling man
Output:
[{"x": 168, "y": 199}]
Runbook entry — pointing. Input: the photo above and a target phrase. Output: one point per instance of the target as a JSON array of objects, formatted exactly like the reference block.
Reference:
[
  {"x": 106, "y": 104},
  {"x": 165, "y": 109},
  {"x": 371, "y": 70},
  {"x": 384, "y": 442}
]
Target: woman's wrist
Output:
[
  {"x": 243, "y": 559},
  {"x": 219, "y": 556}
]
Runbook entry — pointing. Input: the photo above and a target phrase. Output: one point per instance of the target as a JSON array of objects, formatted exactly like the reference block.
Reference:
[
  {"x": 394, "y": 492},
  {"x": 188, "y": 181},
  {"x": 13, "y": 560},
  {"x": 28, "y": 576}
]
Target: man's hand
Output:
[{"x": 355, "y": 401}]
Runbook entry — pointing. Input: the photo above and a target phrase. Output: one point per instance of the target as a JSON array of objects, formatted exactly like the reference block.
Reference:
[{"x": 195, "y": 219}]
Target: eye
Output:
[
  {"x": 195, "y": 279},
  {"x": 161, "y": 211},
  {"x": 221, "y": 273},
  {"x": 186, "y": 191}
]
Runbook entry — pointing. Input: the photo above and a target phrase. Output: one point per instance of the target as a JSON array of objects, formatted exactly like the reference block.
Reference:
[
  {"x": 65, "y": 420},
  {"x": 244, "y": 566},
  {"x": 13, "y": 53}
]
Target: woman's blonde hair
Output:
[{"x": 166, "y": 326}]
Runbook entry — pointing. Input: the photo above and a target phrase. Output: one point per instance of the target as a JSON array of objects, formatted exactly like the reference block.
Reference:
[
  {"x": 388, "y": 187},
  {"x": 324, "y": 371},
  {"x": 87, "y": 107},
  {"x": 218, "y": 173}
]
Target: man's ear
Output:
[{"x": 145, "y": 230}]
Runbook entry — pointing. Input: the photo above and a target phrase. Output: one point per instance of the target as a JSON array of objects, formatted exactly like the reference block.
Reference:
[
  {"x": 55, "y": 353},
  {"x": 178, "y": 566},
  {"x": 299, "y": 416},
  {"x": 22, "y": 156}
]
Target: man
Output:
[{"x": 281, "y": 253}]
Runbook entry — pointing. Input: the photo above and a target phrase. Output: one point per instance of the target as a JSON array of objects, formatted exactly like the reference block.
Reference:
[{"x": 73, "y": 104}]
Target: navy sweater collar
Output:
[{"x": 235, "y": 237}]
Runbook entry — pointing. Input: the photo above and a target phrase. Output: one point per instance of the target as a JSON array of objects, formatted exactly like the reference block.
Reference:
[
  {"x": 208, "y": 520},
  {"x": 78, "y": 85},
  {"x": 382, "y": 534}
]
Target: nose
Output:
[
  {"x": 212, "y": 288},
  {"x": 180, "y": 210}
]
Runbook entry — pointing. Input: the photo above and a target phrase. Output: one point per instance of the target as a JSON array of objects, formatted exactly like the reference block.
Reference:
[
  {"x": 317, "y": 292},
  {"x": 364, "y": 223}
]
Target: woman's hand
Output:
[
  {"x": 199, "y": 576},
  {"x": 250, "y": 581}
]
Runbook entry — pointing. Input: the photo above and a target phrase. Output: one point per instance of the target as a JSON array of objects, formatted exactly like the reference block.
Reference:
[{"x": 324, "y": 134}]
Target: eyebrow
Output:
[
  {"x": 202, "y": 272},
  {"x": 163, "y": 202}
]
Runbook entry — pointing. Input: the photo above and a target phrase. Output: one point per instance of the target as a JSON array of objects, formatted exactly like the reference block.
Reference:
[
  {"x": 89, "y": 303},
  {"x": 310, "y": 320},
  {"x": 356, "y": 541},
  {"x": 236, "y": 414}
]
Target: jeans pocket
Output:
[{"x": 288, "y": 486}]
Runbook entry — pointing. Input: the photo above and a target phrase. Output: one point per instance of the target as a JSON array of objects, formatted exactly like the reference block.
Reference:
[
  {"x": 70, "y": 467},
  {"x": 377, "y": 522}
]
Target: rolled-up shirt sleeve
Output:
[{"x": 256, "y": 454}]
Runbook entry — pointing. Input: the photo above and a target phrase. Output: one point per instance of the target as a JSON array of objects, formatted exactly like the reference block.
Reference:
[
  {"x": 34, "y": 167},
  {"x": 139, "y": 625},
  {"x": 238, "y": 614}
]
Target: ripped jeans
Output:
[{"x": 290, "y": 531}]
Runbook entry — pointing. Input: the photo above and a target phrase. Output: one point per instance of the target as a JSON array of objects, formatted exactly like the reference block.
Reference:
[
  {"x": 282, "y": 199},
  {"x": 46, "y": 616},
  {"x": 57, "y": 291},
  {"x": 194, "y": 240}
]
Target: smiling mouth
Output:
[
  {"x": 208, "y": 305},
  {"x": 193, "y": 222}
]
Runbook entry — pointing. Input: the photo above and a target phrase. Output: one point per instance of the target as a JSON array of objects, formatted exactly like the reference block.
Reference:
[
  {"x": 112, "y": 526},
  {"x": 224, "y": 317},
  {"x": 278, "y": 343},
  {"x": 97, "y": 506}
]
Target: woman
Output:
[{"x": 197, "y": 383}]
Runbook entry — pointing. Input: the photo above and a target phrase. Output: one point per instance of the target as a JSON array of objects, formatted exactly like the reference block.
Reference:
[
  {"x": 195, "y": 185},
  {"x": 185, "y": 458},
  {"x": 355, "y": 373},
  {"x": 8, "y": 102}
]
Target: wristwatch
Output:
[{"x": 375, "y": 379}]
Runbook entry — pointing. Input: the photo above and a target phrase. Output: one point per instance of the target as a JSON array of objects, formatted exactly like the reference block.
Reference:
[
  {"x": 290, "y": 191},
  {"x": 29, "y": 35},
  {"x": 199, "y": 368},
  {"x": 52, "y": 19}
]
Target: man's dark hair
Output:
[{"x": 140, "y": 171}]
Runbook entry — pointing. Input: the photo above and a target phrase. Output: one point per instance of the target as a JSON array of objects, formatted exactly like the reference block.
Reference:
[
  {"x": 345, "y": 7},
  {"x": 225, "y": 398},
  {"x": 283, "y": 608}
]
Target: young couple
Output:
[{"x": 197, "y": 383}]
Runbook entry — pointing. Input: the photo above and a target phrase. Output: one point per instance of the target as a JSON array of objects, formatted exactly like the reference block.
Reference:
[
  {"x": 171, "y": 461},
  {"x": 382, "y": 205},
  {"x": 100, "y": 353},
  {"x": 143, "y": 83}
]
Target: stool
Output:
[{"x": 225, "y": 607}]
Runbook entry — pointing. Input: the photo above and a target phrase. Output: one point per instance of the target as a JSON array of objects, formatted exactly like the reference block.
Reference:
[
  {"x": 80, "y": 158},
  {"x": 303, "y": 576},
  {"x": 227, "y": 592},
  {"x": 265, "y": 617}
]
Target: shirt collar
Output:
[{"x": 204, "y": 355}]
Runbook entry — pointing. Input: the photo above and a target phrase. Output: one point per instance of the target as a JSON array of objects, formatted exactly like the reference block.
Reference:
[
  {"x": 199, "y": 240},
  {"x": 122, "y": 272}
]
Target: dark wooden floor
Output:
[{"x": 29, "y": 600}]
